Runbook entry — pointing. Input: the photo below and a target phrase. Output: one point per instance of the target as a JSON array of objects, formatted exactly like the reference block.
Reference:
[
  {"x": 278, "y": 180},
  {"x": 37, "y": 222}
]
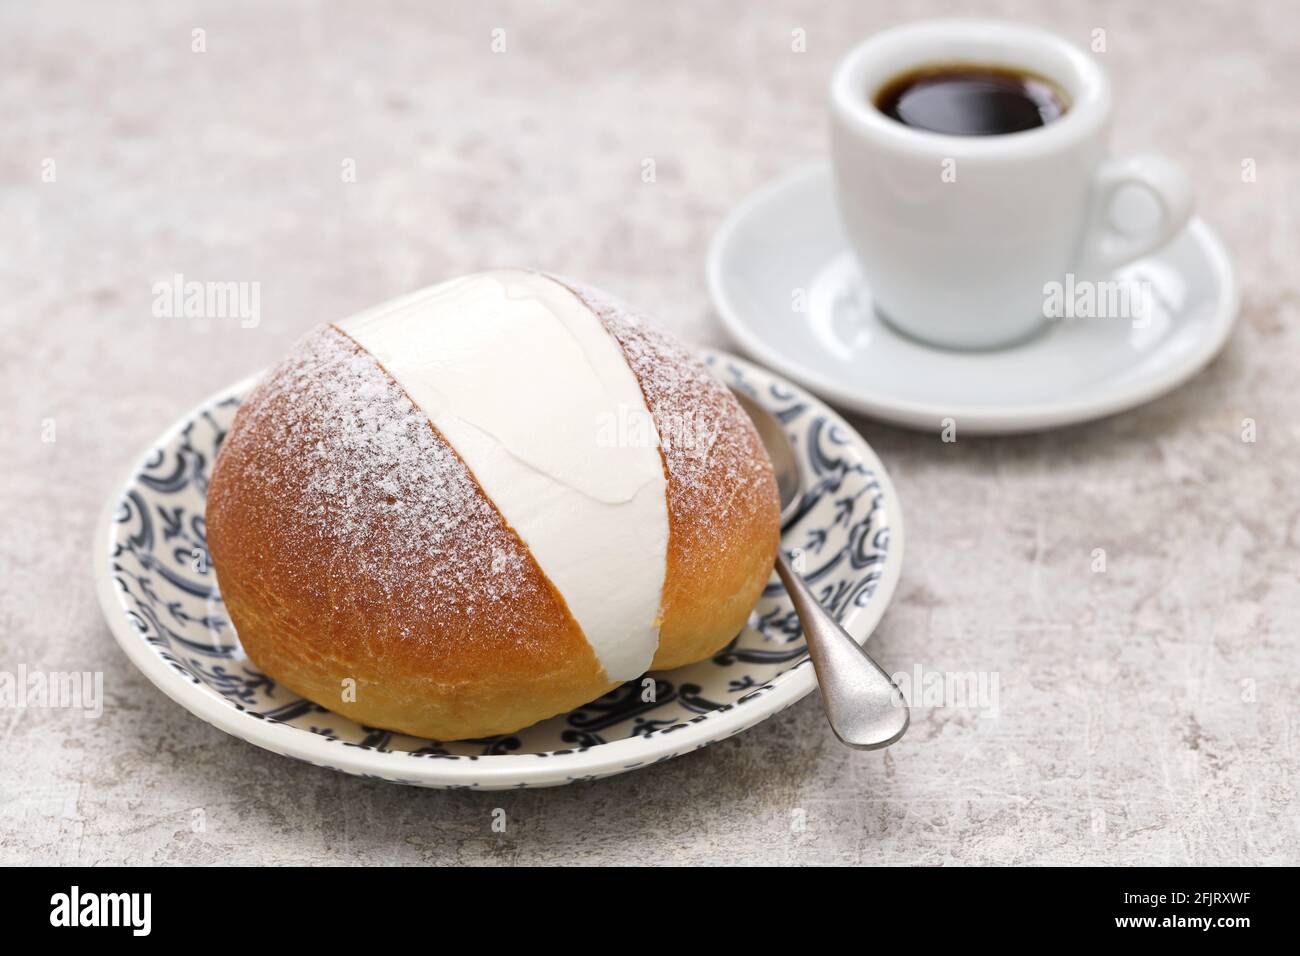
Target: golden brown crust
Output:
[
  {"x": 724, "y": 521},
  {"x": 350, "y": 542}
]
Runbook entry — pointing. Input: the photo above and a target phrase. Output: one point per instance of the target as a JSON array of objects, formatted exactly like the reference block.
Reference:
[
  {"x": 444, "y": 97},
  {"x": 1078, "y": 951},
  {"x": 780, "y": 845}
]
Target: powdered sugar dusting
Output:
[
  {"x": 716, "y": 465},
  {"x": 364, "y": 481}
]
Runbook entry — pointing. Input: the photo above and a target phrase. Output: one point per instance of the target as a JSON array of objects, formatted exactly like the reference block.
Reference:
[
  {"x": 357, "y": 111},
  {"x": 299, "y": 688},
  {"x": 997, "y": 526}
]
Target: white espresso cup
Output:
[{"x": 958, "y": 237}]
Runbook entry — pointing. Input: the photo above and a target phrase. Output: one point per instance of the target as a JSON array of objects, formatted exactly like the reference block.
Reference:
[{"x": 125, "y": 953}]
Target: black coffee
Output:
[{"x": 971, "y": 100}]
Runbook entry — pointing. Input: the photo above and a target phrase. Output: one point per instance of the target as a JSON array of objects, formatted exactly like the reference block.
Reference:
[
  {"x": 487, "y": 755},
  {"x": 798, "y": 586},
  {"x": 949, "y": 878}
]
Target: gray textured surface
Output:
[{"x": 1147, "y": 714}]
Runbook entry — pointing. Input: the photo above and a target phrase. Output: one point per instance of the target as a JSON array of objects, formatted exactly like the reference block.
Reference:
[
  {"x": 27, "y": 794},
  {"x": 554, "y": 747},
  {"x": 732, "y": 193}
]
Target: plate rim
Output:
[
  {"x": 975, "y": 420},
  {"x": 491, "y": 771}
]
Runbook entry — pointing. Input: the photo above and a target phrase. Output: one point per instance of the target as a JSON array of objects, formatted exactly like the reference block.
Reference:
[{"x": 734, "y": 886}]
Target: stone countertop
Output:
[{"x": 1147, "y": 714}]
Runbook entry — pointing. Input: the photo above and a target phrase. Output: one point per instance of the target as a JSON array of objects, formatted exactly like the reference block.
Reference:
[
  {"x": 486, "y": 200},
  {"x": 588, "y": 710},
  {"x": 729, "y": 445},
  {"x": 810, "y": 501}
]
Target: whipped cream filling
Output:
[{"x": 534, "y": 395}]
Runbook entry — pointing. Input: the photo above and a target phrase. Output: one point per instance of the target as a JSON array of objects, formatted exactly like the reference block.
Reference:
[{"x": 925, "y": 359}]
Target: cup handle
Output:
[{"x": 1106, "y": 246}]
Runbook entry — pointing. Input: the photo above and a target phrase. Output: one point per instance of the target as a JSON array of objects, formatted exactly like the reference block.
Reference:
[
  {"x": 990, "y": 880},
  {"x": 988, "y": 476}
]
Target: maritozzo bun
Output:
[{"x": 484, "y": 504}]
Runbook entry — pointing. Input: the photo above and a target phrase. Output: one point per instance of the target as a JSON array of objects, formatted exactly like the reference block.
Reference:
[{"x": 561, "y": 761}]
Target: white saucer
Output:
[{"x": 784, "y": 247}]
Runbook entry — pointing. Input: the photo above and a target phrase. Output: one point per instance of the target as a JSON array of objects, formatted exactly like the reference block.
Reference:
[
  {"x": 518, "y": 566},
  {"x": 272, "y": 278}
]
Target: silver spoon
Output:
[{"x": 864, "y": 708}]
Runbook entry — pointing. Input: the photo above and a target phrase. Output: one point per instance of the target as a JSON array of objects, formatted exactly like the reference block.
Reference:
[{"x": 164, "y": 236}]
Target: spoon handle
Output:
[{"x": 865, "y": 709}]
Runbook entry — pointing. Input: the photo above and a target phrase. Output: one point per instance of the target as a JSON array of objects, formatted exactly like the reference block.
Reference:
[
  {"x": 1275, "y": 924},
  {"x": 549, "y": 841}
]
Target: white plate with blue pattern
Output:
[{"x": 163, "y": 605}]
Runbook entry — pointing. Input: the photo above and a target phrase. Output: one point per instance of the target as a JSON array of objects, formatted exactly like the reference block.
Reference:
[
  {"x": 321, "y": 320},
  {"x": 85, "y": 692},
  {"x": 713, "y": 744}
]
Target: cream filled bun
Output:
[{"x": 486, "y": 503}]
